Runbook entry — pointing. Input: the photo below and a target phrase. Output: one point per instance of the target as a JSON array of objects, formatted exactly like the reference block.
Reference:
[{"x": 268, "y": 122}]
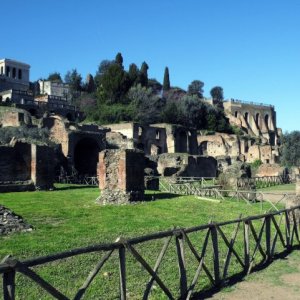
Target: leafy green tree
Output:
[
  {"x": 166, "y": 83},
  {"x": 113, "y": 85},
  {"x": 74, "y": 79},
  {"x": 154, "y": 85},
  {"x": 147, "y": 107},
  {"x": 54, "y": 77},
  {"x": 144, "y": 74},
  {"x": 196, "y": 88},
  {"x": 291, "y": 149},
  {"x": 217, "y": 93}
]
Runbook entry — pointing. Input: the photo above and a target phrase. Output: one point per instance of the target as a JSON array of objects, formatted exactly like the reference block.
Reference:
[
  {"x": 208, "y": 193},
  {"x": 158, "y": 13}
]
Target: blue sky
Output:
[{"x": 249, "y": 47}]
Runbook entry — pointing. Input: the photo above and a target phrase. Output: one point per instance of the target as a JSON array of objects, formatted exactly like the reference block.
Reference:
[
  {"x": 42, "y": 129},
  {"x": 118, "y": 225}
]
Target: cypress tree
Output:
[
  {"x": 144, "y": 74},
  {"x": 166, "y": 83}
]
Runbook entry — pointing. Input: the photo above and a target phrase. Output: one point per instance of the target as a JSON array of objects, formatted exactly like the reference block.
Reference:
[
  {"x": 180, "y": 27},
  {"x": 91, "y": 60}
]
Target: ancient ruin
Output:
[
  {"x": 121, "y": 176},
  {"x": 165, "y": 149}
]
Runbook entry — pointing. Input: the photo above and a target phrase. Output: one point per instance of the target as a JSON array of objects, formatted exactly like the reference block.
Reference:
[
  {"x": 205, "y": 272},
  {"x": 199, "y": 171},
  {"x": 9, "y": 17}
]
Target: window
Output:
[
  {"x": 20, "y": 74},
  {"x": 14, "y": 73},
  {"x": 157, "y": 134},
  {"x": 7, "y": 71},
  {"x": 1, "y": 71}
]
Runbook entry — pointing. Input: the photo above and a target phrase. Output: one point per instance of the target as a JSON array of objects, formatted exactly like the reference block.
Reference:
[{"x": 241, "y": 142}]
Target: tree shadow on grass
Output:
[
  {"x": 74, "y": 187},
  {"x": 239, "y": 277},
  {"x": 159, "y": 196}
]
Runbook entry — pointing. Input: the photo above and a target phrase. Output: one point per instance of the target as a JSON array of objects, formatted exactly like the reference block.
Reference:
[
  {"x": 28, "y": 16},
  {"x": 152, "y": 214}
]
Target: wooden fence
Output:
[
  {"x": 254, "y": 241},
  {"x": 265, "y": 181}
]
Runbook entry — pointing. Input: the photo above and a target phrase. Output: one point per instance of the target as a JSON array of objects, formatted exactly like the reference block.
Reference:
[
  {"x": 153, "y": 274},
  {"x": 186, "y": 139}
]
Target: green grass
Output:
[
  {"x": 68, "y": 218},
  {"x": 283, "y": 187}
]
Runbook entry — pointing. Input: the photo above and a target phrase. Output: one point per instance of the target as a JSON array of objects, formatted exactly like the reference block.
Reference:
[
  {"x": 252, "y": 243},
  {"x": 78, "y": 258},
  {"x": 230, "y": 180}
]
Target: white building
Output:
[
  {"x": 14, "y": 75},
  {"x": 53, "y": 88}
]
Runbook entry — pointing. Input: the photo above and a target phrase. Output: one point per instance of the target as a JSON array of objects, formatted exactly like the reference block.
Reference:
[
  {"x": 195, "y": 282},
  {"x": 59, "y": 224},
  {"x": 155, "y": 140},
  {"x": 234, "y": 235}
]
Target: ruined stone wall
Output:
[
  {"x": 124, "y": 128},
  {"x": 25, "y": 167},
  {"x": 14, "y": 117},
  {"x": 15, "y": 162},
  {"x": 256, "y": 119},
  {"x": 121, "y": 176},
  {"x": 58, "y": 132},
  {"x": 270, "y": 170},
  {"x": 186, "y": 165},
  {"x": 42, "y": 166}
]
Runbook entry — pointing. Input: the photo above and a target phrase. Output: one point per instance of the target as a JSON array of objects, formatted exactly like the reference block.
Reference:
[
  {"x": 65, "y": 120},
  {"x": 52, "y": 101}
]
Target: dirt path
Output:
[{"x": 280, "y": 280}]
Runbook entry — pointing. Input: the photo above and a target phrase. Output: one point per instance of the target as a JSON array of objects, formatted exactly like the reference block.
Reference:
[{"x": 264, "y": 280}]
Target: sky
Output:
[{"x": 251, "y": 48}]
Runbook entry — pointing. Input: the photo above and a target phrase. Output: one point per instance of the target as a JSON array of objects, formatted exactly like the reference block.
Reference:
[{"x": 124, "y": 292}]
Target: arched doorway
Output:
[
  {"x": 182, "y": 142},
  {"x": 203, "y": 148},
  {"x": 86, "y": 155}
]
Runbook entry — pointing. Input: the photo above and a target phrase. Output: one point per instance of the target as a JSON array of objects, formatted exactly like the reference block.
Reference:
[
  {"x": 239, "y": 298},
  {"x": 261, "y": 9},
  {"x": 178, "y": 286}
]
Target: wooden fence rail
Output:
[{"x": 260, "y": 235}]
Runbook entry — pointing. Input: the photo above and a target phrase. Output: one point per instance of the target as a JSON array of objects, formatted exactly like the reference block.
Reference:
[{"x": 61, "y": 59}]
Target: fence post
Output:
[
  {"x": 181, "y": 263},
  {"x": 268, "y": 237},
  {"x": 246, "y": 246},
  {"x": 214, "y": 239},
  {"x": 122, "y": 267},
  {"x": 9, "y": 285},
  {"x": 287, "y": 230}
]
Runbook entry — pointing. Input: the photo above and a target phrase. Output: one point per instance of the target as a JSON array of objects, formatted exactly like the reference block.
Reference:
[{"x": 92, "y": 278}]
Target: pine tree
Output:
[{"x": 166, "y": 83}]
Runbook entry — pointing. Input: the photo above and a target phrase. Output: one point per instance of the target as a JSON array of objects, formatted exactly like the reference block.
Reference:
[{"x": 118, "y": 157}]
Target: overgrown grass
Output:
[{"x": 69, "y": 217}]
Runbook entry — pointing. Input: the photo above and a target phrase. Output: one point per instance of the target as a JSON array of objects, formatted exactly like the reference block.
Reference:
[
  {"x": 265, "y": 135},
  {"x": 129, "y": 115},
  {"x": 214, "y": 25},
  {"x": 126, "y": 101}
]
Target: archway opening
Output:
[
  {"x": 203, "y": 148},
  {"x": 86, "y": 156},
  {"x": 182, "y": 142},
  {"x": 246, "y": 117},
  {"x": 70, "y": 117},
  {"x": 267, "y": 121},
  {"x": 257, "y": 120}
]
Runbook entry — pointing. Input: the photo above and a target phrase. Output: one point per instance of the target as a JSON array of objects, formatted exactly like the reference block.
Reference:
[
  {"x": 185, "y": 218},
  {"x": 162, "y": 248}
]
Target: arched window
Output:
[
  {"x": 267, "y": 120},
  {"x": 257, "y": 119},
  {"x": 20, "y": 74},
  {"x": 157, "y": 134},
  {"x": 140, "y": 131},
  {"x": 7, "y": 71},
  {"x": 14, "y": 73}
]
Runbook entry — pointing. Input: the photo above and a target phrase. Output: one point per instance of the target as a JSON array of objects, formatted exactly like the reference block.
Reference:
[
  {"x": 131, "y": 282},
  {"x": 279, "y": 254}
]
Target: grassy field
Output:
[{"x": 68, "y": 217}]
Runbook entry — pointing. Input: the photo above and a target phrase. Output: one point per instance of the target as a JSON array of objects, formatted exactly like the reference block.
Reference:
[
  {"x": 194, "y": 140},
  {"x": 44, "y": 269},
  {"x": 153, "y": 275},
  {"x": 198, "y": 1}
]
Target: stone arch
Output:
[
  {"x": 70, "y": 117},
  {"x": 86, "y": 155},
  {"x": 257, "y": 119},
  {"x": 203, "y": 148},
  {"x": 7, "y": 99},
  {"x": 246, "y": 116},
  {"x": 267, "y": 121},
  {"x": 33, "y": 112}
]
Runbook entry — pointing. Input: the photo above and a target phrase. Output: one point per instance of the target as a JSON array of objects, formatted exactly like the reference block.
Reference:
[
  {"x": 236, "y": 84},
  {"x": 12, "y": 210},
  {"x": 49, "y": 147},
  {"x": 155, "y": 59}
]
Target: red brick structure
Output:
[{"x": 121, "y": 176}]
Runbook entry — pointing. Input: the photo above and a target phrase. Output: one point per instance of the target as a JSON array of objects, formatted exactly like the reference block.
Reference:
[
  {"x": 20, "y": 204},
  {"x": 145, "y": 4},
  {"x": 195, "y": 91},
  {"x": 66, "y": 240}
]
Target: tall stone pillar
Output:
[
  {"x": 42, "y": 166},
  {"x": 121, "y": 176}
]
